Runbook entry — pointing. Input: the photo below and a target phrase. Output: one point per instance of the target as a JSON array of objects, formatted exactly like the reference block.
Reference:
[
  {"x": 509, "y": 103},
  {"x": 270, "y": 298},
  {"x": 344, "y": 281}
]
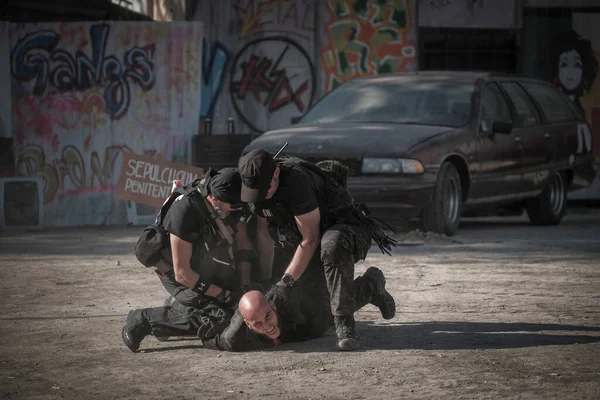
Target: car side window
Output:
[
  {"x": 554, "y": 107},
  {"x": 494, "y": 106},
  {"x": 527, "y": 114}
]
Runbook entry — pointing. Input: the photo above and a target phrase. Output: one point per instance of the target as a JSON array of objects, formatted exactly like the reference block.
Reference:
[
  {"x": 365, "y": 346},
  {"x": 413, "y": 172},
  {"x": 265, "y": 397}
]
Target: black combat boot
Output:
[
  {"x": 135, "y": 330},
  {"x": 381, "y": 298},
  {"x": 346, "y": 334}
]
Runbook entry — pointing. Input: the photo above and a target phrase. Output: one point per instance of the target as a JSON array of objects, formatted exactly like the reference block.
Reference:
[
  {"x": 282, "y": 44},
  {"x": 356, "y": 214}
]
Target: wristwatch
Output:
[{"x": 287, "y": 280}]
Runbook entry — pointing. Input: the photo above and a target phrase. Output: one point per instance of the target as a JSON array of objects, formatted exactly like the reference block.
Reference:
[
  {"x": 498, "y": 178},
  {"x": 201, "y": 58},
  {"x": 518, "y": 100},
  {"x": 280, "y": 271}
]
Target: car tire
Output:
[
  {"x": 169, "y": 301},
  {"x": 443, "y": 213},
  {"x": 549, "y": 207}
]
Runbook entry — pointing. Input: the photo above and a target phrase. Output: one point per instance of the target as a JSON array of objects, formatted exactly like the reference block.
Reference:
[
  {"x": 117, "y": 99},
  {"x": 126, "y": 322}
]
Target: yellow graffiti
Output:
[
  {"x": 73, "y": 166},
  {"x": 251, "y": 26},
  {"x": 104, "y": 173},
  {"x": 32, "y": 162}
]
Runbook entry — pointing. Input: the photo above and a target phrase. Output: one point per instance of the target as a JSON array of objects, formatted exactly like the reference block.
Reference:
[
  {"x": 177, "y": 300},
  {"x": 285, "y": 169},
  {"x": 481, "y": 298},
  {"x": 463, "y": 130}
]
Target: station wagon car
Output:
[{"x": 438, "y": 144}]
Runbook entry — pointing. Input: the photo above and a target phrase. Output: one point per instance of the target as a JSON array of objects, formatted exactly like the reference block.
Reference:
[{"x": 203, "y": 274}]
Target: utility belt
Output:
[{"x": 218, "y": 256}]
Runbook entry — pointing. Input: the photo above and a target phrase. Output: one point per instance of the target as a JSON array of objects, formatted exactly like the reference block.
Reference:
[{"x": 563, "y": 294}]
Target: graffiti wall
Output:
[
  {"x": 367, "y": 38},
  {"x": 267, "y": 61},
  {"x": 85, "y": 93}
]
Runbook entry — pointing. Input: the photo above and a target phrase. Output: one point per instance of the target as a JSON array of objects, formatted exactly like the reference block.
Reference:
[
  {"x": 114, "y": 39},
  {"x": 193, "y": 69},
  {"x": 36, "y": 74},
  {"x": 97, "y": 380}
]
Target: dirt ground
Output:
[{"x": 503, "y": 310}]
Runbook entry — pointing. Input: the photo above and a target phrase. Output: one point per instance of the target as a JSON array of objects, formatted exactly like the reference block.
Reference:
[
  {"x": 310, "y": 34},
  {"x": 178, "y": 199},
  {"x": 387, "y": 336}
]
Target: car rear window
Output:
[
  {"x": 396, "y": 100},
  {"x": 554, "y": 106},
  {"x": 527, "y": 114}
]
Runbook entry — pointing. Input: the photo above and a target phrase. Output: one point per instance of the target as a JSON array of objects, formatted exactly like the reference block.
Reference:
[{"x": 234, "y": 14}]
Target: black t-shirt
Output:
[
  {"x": 299, "y": 191},
  {"x": 306, "y": 315},
  {"x": 185, "y": 221},
  {"x": 183, "y": 218}
]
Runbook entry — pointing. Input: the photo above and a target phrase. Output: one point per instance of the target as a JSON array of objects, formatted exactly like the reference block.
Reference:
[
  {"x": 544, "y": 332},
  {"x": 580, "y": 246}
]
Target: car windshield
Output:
[{"x": 396, "y": 100}]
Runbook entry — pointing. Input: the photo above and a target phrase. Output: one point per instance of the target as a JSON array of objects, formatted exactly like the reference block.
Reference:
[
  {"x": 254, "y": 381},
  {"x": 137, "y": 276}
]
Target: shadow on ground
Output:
[
  {"x": 435, "y": 336},
  {"x": 457, "y": 336}
]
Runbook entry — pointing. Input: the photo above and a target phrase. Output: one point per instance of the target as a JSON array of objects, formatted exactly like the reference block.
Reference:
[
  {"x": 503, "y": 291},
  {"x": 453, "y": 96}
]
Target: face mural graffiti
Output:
[{"x": 574, "y": 65}]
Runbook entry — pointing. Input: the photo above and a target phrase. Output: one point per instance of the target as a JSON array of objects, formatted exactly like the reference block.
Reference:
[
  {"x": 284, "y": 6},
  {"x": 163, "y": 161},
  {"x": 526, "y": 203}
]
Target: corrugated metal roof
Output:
[{"x": 68, "y": 10}]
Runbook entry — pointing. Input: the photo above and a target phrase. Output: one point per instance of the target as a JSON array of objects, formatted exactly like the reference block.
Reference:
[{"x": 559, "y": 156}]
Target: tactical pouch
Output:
[
  {"x": 148, "y": 247},
  {"x": 339, "y": 203}
]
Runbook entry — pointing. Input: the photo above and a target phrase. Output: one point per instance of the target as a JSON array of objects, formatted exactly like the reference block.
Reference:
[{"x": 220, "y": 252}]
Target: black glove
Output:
[
  {"x": 229, "y": 298},
  {"x": 279, "y": 292},
  {"x": 233, "y": 299},
  {"x": 211, "y": 321}
]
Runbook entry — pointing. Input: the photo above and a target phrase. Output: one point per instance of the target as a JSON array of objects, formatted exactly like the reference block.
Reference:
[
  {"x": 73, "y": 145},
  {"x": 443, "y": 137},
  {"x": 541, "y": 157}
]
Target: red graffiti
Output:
[
  {"x": 34, "y": 116},
  {"x": 264, "y": 77}
]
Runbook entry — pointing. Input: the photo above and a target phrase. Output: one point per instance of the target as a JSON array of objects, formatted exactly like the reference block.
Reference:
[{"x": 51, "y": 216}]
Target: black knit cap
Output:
[
  {"x": 256, "y": 169},
  {"x": 226, "y": 185}
]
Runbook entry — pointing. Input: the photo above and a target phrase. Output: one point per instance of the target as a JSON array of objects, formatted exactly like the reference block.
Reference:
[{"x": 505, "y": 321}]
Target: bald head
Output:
[
  {"x": 251, "y": 303},
  {"x": 259, "y": 314}
]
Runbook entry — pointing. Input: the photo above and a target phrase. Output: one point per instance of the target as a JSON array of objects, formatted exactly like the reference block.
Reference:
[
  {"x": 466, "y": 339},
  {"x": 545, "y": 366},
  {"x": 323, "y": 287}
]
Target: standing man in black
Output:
[
  {"x": 311, "y": 214},
  {"x": 205, "y": 266}
]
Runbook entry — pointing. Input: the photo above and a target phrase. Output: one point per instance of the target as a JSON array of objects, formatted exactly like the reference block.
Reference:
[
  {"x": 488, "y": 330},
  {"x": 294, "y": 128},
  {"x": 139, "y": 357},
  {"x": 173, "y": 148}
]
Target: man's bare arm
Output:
[
  {"x": 242, "y": 242},
  {"x": 266, "y": 250},
  {"x": 309, "y": 225},
  {"x": 184, "y": 274}
]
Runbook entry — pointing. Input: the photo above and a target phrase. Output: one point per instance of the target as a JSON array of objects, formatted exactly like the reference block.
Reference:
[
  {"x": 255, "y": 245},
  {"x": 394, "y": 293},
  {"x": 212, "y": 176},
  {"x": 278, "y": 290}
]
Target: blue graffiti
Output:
[
  {"x": 213, "y": 73},
  {"x": 35, "y": 57}
]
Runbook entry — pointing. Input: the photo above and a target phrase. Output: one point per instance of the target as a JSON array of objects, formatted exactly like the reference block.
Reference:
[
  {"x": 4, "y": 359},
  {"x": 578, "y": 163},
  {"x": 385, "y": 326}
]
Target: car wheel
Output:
[
  {"x": 549, "y": 207},
  {"x": 169, "y": 301},
  {"x": 443, "y": 213}
]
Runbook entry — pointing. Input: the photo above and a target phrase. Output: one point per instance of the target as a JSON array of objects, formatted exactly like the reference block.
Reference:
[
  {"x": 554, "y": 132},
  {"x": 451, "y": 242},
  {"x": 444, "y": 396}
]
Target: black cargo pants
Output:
[
  {"x": 342, "y": 246},
  {"x": 186, "y": 314}
]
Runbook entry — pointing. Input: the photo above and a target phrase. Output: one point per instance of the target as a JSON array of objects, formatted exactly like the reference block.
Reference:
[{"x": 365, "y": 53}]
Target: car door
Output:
[
  {"x": 529, "y": 133},
  {"x": 498, "y": 155},
  {"x": 565, "y": 132}
]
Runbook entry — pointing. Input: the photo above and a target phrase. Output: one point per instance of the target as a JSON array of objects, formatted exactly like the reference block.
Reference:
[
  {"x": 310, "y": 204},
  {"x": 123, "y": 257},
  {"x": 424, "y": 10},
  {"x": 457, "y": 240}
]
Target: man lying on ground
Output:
[{"x": 306, "y": 314}]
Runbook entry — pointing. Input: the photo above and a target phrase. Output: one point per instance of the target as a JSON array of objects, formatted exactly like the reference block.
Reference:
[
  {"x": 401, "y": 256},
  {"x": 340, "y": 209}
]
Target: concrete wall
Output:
[
  {"x": 83, "y": 94},
  {"x": 5, "y": 102},
  {"x": 266, "y": 61},
  {"x": 484, "y": 14},
  {"x": 560, "y": 3}
]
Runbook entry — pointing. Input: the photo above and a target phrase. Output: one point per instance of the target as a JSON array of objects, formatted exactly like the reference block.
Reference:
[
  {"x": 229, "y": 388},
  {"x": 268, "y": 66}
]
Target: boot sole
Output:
[
  {"x": 387, "y": 298},
  {"x": 124, "y": 336}
]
